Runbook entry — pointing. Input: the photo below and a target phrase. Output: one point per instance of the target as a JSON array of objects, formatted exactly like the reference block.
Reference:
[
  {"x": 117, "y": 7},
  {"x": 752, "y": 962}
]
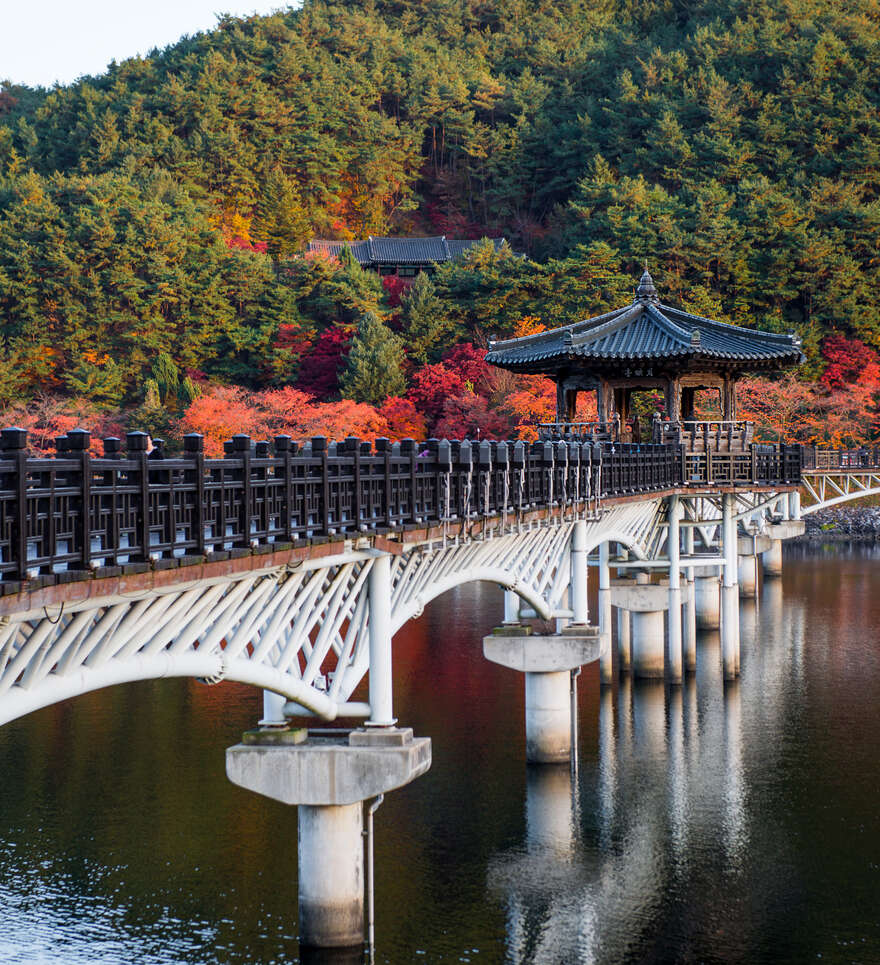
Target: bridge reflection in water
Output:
[{"x": 668, "y": 790}]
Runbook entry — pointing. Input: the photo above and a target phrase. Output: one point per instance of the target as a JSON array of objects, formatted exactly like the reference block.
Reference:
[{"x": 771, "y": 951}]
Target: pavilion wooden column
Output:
[
  {"x": 673, "y": 400},
  {"x": 605, "y": 401},
  {"x": 728, "y": 399}
]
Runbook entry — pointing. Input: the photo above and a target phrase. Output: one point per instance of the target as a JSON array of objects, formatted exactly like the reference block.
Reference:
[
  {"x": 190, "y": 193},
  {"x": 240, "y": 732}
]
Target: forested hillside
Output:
[{"x": 148, "y": 217}]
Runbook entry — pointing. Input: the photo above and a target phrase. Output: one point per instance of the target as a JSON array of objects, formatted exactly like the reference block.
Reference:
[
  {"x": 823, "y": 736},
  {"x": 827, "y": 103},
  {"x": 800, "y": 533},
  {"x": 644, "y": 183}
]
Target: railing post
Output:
[
  {"x": 79, "y": 441},
  {"x": 241, "y": 449},
  {"x": 136, "y": 447},
  {"x": 13, "y": 442},
  {"x": 381, "y": 702},
  {"x": 194, "y": 448}
]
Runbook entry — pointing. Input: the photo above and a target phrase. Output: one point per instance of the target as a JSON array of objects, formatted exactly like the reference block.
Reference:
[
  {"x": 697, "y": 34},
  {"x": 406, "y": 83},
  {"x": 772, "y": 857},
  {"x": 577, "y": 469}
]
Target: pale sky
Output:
[{"x": 44, "y": 41}]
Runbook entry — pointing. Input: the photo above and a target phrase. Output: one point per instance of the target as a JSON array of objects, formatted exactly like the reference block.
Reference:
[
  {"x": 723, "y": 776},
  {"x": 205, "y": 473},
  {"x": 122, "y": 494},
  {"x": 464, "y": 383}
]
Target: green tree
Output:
[
  {"x": 375, "y": 363},
  {"x": 426, "y": 325},
  {"x": 280, "y": 219}
]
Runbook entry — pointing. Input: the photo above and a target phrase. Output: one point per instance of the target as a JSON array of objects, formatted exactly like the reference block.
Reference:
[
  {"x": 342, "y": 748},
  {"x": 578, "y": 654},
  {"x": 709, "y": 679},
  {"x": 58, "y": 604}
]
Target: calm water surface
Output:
[{"x": 706, "y": 824}]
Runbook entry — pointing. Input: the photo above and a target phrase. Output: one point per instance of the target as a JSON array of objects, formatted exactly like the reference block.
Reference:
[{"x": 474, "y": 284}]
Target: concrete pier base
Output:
[
  {"x": 547, "y": 662},
  {"x": 329, "y": 775},
  {"x": 707, "y": 602},
  {"x": 331, "y": 875},
  {"x": 548, "y": 717},
  {"x": 647, "y": 643},
  {"x": 772, "y": 559},
  {"x": 747, "y": 576}
]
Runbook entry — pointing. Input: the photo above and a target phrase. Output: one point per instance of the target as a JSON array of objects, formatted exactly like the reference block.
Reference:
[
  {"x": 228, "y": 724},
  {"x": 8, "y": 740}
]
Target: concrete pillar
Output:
[
  {"x": 772, "y": 559},
  {"x": 381, "y": 712},
  {"x": 511, "y": 607},
  {"x": 729, "y": 588},
  {"x": 548, "y": 717},
  {"x": 689, "y": 623},
  {"x": 578, "y": 581},
  {"x": 794, "y": 505},
  {"x": 707, "y": 601},
  {"x": 547, "y": 662},
  {"x": 674, "y": 652},
  {"x": 329, "y": 779},
  {"x": 331, "y": 876},
  {"x": 624, "y": 640},
  {"x": 747, "y": 576},
  {"x": 647, "y": 639},
  {"x": 605, "y": 657}
]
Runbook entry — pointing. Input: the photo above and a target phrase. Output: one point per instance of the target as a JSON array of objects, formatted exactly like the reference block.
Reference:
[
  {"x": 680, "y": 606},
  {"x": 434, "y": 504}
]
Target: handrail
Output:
[{"x": 73, "y": 515}]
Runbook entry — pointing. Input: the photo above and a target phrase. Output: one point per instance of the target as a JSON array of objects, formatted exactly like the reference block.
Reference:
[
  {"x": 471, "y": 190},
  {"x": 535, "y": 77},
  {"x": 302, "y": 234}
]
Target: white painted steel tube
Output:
[
  {"x": 729, "y": 589},
  {"x": 548, "y": 717},
  {"x": 273, "y": 709},
  {"x": 511, "y": 607},
  {"x": 794, "y": 505},
  {"x": 381, "y": 709},
  {"x": 578, "y": 585},
  {"x": 674, "y": 655},
  {"x": 605, "y": 655},
  {"x": 331, "y": 875}
]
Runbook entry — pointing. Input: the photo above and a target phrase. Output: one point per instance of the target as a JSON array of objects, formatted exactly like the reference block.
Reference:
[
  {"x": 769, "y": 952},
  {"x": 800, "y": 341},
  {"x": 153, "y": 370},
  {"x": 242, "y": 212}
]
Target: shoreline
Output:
[{"x": 843, "y": 525}]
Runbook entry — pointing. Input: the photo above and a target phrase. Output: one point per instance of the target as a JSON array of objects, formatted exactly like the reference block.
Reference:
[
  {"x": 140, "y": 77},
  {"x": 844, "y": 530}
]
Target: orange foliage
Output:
[
  {"x": 219, "y": 414},
  {"x": 528, "y": 325},
  {"x": 404, "y": 419},
  {"x": 49, "y": 416}
]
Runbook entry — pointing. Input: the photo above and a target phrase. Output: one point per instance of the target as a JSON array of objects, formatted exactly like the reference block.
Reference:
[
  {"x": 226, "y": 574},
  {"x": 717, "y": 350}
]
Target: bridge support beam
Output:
[
  {"x": 689, "y": 625},
  {"x": 674, "y": 653},
  {"x": 747, "y": 576},
  {"x": 547, "y": 662},
  {"x": 729, "y": 589},
  {"x": 707, "y": 601},
  {"x": 329, "y": 776},
  {"x": 606, "y": 673},
  {"x": 794, "y": 505}
]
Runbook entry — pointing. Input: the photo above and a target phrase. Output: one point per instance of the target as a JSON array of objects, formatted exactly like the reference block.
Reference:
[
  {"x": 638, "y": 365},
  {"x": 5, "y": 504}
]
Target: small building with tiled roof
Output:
[
  {"x": 403, "y": 257},
  {"x": 646, "y": 345}
]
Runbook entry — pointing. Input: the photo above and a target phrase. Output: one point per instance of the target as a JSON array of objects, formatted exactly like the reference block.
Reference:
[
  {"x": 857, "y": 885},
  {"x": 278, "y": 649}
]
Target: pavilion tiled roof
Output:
[
  {"x": 400, "y": 251},
  {"x": 646, "y": 330}
]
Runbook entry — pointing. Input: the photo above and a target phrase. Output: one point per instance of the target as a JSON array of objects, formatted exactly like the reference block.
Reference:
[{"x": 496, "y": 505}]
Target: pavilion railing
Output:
[{"x": 76, "y": 514}]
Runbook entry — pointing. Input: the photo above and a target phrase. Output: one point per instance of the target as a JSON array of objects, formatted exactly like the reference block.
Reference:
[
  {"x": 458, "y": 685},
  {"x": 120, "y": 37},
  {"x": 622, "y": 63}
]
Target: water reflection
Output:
[{"x": 672, "y": 786}]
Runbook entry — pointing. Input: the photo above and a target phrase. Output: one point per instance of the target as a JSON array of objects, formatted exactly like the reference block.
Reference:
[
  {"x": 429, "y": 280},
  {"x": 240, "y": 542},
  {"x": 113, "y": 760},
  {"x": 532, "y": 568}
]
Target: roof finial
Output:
[{"x": 646, "y": 290}]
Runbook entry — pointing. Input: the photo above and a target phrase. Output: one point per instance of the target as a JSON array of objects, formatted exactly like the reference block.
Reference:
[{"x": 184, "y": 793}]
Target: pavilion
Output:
[{"x": 646, "y": 345}]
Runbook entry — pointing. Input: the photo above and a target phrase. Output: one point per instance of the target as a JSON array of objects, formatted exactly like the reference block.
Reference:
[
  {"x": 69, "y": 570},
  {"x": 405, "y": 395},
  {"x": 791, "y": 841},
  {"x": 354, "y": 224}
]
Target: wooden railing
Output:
[
  {"x": 845, "y": 459},
  {"x": 73, "y": 515}
]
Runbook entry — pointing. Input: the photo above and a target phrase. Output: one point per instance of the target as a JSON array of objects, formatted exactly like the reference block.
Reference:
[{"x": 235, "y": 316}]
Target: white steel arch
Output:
[{"x": 300, "y": 630}]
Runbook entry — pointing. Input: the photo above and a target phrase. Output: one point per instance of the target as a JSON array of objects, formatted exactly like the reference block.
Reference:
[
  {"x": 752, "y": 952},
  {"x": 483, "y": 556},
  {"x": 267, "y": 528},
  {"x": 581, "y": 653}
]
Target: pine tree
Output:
[
  {"x": 375, "y": 363},
  {"x": 280, "y": 219},
  {"x": 425, "y": 323}
]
